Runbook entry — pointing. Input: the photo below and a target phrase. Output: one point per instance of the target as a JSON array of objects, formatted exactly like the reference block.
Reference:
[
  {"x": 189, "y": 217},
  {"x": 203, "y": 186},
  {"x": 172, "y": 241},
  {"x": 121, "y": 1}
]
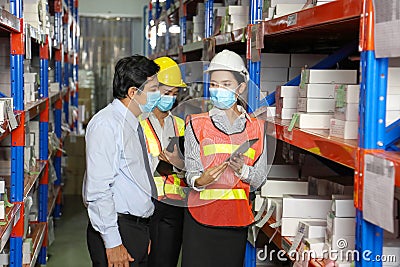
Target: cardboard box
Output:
[
  {"x": 285, "y": 113},
  {"x": 285, "y": 9},
  {"x": 290, "y": 226},
  {"x": 340, "y": 226},
  {"x": 2, "y": 210},
  {"x": 316, "y": 105},
  {"x": 269, "y": 87},
  {"x": 289, "y": 103},
  {"x": 315, "y": 207},
  {"x": 30, "y": 77},
  {"x": 75, "y": 145},
  {"x": 329, "y": 76},
  {"x": 314, "y": 121},
  {"x": 343, "y": 206},
  {"x": 274, "y": 74},
  {"x": 344, "y": 129},
  {"x": 393, "y": 90},
  {"x": 287, "y": 91},
  {"x": 351, "y": 93},
  {"x": 349, "y": 112},
  {"x": 392, "y": 102},
  {"x": 278, "y": 188},
  {"x": 392, "y": 116},
  {"x": 314, "y": 90},
  {"x": 238, "y": 10},
  {"x": 273, "y": 60},
  {"x": 392, "y": 248},
  {"x": 301, "y": 60},
  {"x": 313, "y": 229},
  {"x": 342, "y": 243}
]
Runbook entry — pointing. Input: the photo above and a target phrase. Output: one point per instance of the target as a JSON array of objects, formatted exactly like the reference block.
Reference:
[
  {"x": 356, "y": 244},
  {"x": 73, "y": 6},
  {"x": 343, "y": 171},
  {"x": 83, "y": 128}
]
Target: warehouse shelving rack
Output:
[
  {"x": 21, "y": 184},
  {"x": 337, "y": 24}
]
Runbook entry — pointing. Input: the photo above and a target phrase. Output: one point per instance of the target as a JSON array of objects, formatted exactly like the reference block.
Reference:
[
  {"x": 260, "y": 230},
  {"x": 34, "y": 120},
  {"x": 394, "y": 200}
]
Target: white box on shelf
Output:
[
  {"x": 275, "y": 2},
  {"x": 285, "y": 9},
  {"x": 351, "y": 93},
  {"x": 286, "y": 102},
  {"x": 26, "y": 258},
  {"x": 342, "y": 242},
  {"x": 274, "y": 74},
  {"x": 2, "y": 186},
  {"x": 273, "y": 60},
  {"x": 258, "y": 202},
  {"x": 278, "y": 188},
  {"x": 392, "y": 102},
  {"x": 27, "y": 246},
  {"x": 301, "y": 60},
  {"x": 315, "y": 207},
  {"x": 329, "y": 76},
  {"x": 316, "y": 105},
  {"x": 286, "y": 113},
  {"x": 315, "y": 246},
  {"x": 238, "y": 10},
  {"x": 290, "y": 226},
  {"x": 314, "y": 90},
  {"x": 394, "y": 76},
  {"x": 349, "y": 112},
  {"x": 314, "y": 121},
  {"x": 392, "y": 116},
  {"x": 2, "y": 210},
  {"x": 313, "y": 229},
  {"x": 393, "y": 90},
  {"x": 30, "y": 77},
  {"x": 287, "y": 91},
  {"x": 340, "y": 226},
  {"x": 343, "y": 206},
  {"x": 391, "y": 247},
  {"x": 344, "y": 129}
]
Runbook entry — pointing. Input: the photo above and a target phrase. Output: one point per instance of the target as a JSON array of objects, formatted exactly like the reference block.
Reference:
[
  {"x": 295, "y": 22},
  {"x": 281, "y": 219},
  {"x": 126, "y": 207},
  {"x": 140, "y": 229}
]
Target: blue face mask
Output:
[
  {"x": 222, "y": 98},
  {"x": 166, "y": 102},
  {"x": 151, "y": 102}
]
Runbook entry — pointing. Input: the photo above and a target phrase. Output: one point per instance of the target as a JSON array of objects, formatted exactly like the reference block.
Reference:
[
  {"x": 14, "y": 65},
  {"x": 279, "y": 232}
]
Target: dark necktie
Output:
[{"x": 146, "y": 163}]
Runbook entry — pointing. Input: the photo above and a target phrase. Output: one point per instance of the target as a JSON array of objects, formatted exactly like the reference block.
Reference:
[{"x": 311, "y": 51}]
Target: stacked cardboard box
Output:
[
  {"x": 345, "y": 122},
  {"x": 238, "y": 16},
  {"x": 393, "y": 95},
  {"x": 74, "y": 146},
  {"x": 277, "y": 8},
  {"x": 316, "y": 103},
  {"x": 198, "y": 23},
  {"x": 274, "y": 71},
  {"x": 36, "y": 13},
  {"x": 286, "y": 101}
]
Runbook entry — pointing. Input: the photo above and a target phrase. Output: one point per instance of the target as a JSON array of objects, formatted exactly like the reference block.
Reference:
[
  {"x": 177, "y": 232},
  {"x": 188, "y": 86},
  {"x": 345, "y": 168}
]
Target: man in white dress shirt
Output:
[{"x": 118, "y": 186}]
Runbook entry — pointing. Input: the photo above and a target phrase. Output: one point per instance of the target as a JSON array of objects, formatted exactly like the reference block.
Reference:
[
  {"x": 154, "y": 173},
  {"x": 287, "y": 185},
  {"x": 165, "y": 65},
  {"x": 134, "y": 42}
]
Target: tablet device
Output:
[
  {"x": 179, "y": 141},
  {"x": 242, "y": 148}
]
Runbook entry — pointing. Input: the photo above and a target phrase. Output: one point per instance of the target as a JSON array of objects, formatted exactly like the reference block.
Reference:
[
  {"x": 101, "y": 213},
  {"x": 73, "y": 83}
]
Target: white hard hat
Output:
[{"x": 228, "y": 60}]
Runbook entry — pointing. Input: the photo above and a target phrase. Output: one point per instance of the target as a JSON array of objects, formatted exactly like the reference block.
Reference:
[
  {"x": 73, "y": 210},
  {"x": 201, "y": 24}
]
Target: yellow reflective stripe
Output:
[
  {"x": 152, "y": 142},
  {"x": 174, "y": 189},
  {"x": 226, "y": 149},
  {"x": 223, "y": 194},
  {"x": 181, "y": 125}
]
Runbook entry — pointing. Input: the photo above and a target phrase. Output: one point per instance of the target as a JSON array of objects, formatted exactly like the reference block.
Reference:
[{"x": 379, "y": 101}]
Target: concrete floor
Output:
[{"x": 69, "y": 248}]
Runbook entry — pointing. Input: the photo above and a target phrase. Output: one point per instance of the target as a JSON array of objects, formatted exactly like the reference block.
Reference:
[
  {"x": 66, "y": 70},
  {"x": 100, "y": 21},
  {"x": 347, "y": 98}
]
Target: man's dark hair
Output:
[{"x": 130, "y": 72}]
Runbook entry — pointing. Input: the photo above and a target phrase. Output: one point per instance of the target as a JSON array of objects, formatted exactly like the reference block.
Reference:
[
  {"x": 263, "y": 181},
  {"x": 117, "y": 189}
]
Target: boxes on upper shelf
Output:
[
  {"x": 287, "y": 91},
  {"x": 316, "y": 105},
  {"x": 286, "y": 102},
  {"x": 343, "y": 206},
  {"x": 272, "y": 60},
  {"x": 337, "y": 226},
  {"x": 290, "y": 226},
  {"x": 347, "y": 93},
  {"x": 315, "y": 207},
  {"x": 269, "y": 87},
  {"x": 274, "y": 74},
  {"x": 393, "y": 76},
  {"x": 278, "y": 188},
  {"x": 347, "y": 112},
  {"x": 314, "y": 90},
  {"x": 285, "y": 113},
  {"x": 238, "y": 10},
  {"x": 302, "y": 60},
  {"x": 392, "y": 102},
  {"x": 285, "y": 9},
  {"x": 344, "y": 129},
  {"x": 329, "y": 76},
  {"x": 313, "y": 229},
  {"x": 314, "y": 121}
]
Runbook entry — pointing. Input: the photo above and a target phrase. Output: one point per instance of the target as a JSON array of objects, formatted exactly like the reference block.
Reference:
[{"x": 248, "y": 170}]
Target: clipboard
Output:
[{"x": 242, "y": 148}]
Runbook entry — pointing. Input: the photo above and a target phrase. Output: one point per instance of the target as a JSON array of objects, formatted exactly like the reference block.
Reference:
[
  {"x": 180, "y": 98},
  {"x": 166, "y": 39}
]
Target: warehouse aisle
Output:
[{"x": 69, "y": 248}]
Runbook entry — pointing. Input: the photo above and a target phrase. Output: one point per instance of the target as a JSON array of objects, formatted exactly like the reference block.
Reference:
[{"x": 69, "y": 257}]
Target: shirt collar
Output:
[
  {"x": 126, "y": 113},
  {"x": 220, "y": 112}
]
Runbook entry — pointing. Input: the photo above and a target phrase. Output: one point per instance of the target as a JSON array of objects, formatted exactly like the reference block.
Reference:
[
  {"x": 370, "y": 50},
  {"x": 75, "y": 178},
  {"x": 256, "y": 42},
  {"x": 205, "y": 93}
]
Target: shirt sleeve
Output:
[
  {"x": 256, "y": 175},
  {"x": 101, "y": 154},
  {"x": 193, "y": 165}
]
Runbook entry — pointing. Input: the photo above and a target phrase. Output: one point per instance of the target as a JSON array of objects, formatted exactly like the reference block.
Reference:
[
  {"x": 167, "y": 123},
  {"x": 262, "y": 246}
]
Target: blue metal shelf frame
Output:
[
  {"x": 17, "y": 145},
  {"x": 209, "y": 23}
]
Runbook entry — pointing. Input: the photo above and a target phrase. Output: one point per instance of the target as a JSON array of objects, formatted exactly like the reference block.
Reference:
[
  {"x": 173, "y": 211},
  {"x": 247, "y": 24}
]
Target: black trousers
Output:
[
  {"x": 135, "y": 237},
  {"x": 212, "y": 246},
  {"x": 166, "y": 229}
]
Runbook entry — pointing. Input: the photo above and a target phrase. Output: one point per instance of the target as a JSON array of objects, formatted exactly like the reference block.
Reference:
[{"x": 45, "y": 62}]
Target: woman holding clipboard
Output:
[{"x": 219, "y": 209}]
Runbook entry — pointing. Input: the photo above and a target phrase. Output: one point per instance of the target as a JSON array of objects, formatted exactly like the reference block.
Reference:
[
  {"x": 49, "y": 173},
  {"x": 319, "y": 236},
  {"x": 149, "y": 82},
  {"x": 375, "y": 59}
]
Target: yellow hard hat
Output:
[{"x": 170, "y": 73}]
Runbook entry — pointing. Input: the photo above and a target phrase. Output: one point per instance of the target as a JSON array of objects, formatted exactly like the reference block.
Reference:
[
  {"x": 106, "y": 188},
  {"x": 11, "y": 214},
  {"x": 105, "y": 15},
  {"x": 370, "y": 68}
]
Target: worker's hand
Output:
[
  {"x": 174, "y": 158},
  {"x": 211, "y": 175},
  {"x": 118, "y": 256},
  {"x": 236, "y": 163},
  {"x": 163, "y": 157}
]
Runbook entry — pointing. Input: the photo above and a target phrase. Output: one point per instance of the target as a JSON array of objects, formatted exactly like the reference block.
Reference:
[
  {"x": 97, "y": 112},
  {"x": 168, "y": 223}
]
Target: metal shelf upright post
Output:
[
  {"x": 44, "y": 143},
  {"x": 66, "y": 65},
  {"x": 58, "y": 105},
  {"x": 18, "y": 135},
  {"x": 209, "y": 24},
  {"x": 75, "y": 37}
]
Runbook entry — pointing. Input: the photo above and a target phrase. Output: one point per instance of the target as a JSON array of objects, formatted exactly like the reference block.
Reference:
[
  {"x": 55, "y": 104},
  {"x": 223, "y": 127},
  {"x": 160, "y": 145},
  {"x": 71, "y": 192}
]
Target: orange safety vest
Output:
[
  {"x": 226, "y": 201},
  {"x": 168, "y": 186}
]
